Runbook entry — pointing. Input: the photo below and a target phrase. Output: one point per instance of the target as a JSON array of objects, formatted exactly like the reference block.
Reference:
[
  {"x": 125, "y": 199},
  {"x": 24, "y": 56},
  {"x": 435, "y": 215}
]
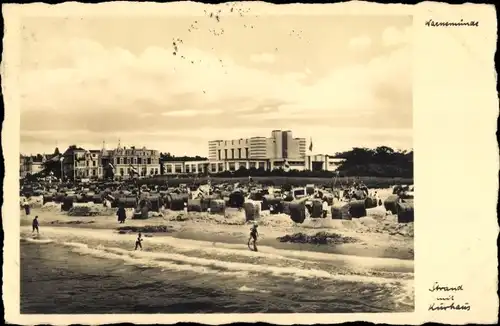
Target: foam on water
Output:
[
  {"x": 34, "y": 240},
  {"x": 245, "y": 288},
  {"x": 179, "y": 261},
  {"x": 228, "y": 249}
]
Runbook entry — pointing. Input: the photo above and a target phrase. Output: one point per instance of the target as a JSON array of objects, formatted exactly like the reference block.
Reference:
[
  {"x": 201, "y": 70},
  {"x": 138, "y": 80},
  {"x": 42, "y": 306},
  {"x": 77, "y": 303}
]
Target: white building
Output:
[
  {"x": 281, "y": 145},
  {"x": 322, "y": 162},
  {"x": 280, "y": 151}
]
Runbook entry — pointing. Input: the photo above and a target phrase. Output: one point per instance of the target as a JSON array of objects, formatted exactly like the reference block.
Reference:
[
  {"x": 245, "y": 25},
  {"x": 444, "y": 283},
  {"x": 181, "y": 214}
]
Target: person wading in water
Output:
[
  {"x": 253, "y": 236},
  {"x": 138, "y": 242},
  {"x": 35, "y": 225}
]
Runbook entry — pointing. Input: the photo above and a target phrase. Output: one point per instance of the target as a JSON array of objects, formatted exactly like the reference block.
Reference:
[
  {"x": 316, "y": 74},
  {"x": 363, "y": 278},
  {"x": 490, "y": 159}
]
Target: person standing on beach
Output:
[
  {"x": 253, "y": 236},
  {"x": 35, "y": 225},
  {"x": 122, "y": 214},
  {"x": 138, "y": 242}
]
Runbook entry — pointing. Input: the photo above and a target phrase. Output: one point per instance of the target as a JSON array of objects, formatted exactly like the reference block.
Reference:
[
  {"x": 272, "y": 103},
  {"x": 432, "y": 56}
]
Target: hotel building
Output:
[
  {"x": 145, "y": 161},
  {"x": 256, "y": 152},
  {"x": 81, "y": 163}
]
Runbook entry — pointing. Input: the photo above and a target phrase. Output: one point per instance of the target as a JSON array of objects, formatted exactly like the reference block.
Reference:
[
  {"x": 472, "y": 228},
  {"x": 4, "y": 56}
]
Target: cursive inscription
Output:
[
  {"x": 445, "y": 298},
  {"x": 452, "y": 306},
  {"x": 437, "y": 287},
  {"x": 432, "y": 23}
]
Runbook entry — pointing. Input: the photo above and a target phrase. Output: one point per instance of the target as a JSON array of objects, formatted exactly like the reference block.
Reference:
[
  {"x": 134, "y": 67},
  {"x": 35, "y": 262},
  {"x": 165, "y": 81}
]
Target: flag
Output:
[
  {"x": 311, "y": 146},
  {"x": 133, "y": 169},
  {"x": 286, "y": 166},
  {"x": 111, "y": 166}
]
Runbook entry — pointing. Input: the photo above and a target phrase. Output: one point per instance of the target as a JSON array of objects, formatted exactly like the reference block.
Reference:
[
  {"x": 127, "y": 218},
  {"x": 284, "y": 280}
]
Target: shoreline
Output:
[{"x": 231, "y": 229}]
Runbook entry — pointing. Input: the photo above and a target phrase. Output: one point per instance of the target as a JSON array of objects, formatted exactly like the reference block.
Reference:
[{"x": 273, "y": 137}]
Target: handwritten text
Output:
[{"x": 432, "y": 23}]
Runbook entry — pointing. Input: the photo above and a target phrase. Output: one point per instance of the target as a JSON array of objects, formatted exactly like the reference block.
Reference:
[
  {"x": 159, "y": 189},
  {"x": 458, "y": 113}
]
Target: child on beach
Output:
[
  {"x": 35, "y": 225},
  {"x": 138, "y": 242}
]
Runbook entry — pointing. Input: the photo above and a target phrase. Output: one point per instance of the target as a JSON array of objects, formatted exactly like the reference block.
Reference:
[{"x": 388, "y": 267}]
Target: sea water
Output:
[{"x": 76, "y": 270}]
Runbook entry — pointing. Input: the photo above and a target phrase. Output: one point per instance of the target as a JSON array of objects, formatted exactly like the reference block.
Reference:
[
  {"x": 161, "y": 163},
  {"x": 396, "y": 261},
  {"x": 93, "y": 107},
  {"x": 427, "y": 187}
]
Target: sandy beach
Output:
[{"x": 376, "y": 235}]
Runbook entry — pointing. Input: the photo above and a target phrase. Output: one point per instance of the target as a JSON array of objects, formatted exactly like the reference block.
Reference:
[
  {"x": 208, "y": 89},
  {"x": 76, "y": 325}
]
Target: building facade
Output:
[
  {"x": 281, "y": 145},
  {"x": 74, "y": 163},
  {"x": 322, "y": 162},
  {"x": 81, "y": 163},
  {"x": 32, "y": 164},
  {"x": 146, "y": 162}
]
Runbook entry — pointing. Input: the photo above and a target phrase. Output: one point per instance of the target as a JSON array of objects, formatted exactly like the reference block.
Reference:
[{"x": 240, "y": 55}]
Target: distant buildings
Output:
[
  {"x": 280, "y": 151},
  {"x": 145, "y": 162},
  {"x": 31, "y": 164},
  {"x": 78, "y": 163}
]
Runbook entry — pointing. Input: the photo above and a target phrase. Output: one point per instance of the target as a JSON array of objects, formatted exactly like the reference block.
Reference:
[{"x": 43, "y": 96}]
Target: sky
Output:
[{"x": 342, "y": 81}]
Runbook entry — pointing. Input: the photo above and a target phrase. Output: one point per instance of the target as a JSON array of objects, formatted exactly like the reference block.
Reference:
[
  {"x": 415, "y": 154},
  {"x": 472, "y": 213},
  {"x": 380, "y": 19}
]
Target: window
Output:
[
  {"x": 122, "y": 172},
  {"x": 188, "y": 168},
  {"x": 219, "y": 155},
  {"x": 169, "y": 168},
  {"x": 246, "y": 152},
  {"x": 225, "y": 154},
  {"x": 149, "y": 160},
  {"x": 232, "y": 166},
  {"x": 239, "y": 153},
  {"x": 94, "y": 173},
  {"x": 221, "y": 167},
  {"x": 213, "y": 167},
  {"x": 139, "y": 160},
  {"x": 232, "y": 152}
]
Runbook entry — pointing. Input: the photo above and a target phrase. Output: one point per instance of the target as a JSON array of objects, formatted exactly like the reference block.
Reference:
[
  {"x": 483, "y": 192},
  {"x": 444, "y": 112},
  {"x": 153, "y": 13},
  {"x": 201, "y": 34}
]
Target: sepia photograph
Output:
[{"x": 221, "y": 161}]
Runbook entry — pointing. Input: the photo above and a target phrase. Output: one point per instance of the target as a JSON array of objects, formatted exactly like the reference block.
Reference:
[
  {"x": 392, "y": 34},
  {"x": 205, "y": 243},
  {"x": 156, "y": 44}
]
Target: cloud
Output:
[
  {"x": 360, "y": 43},
  {"x": 111, "y": 91},
  {"x": 263, "y": 58},
  {"x": 191, "y": 113},
  {"x": 393, "y": 36}
]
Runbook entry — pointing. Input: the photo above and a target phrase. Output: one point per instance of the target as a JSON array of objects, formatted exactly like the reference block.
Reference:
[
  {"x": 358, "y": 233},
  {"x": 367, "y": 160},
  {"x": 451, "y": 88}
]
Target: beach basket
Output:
[
  {"x": 405, "y": 212},
  {"x": 252, "y": 210},
  {"x": 297, "y": 211},
  {"x": 390, "y": 204},
  {"x": 217, "y": 206}
]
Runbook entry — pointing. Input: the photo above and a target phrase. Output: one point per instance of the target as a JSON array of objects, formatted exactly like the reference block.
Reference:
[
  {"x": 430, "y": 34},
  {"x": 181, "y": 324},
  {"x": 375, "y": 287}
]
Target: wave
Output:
[
  {"x": 221, "y": 249},
  {"x": 231, "y": 259},
  {"x": 245, "y": 288},
  {"x": 34, "y": 240}
]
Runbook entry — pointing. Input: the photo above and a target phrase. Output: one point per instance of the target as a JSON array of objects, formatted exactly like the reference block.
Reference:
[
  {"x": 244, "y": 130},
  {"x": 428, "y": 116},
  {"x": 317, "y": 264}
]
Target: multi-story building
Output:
[
  {"x": 280, "y": 146},
  {"x": 81, "y": 163},
  {"x": 74, "y": 163},
  {"x": 31, "y": 164},
  {"x": 258, "y": 152},
  {"x": 126, "y": 160}
]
